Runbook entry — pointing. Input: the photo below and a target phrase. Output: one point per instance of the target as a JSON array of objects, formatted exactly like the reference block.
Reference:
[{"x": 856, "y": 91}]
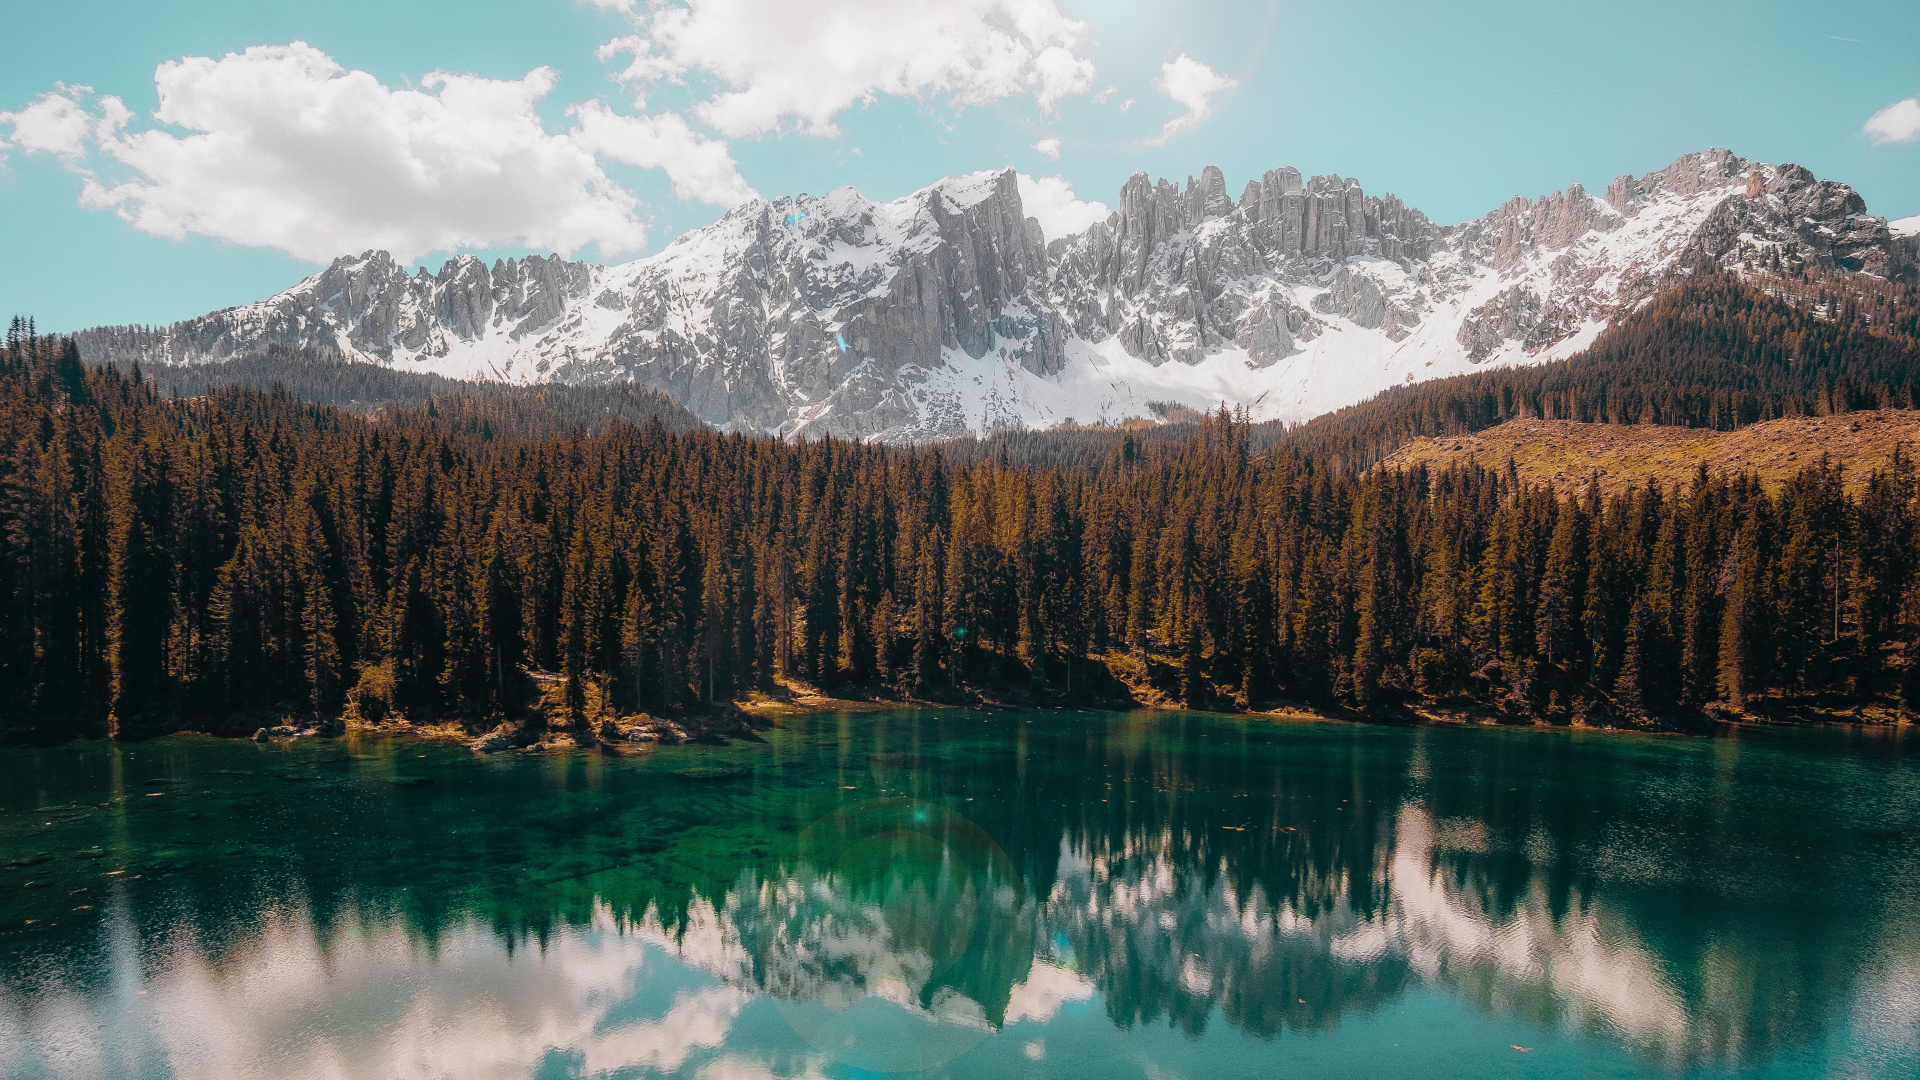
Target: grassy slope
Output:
[{"x": 1565, "y": 453}]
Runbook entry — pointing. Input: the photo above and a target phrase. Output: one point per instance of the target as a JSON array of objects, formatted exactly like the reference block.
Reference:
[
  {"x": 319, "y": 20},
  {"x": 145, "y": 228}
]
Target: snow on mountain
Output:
[
  {"x": 1905, "y": 226},
  {"x": 948, "y": 310}
]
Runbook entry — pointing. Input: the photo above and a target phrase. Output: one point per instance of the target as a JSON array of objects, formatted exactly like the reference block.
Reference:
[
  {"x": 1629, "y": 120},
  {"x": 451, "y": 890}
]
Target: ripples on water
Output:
[{"x": 968, "y": 894}]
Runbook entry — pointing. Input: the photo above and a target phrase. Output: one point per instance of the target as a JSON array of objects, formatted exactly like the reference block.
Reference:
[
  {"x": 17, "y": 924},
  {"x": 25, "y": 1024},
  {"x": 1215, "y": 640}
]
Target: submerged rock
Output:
[{"x": 500, "y": 738}]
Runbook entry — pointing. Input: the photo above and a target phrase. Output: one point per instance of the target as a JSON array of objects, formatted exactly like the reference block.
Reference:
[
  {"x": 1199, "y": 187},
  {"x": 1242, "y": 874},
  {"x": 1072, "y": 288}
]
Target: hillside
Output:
[
  {"x": 1718, "y": 353},
  {"x": 1563, "y": 454},
  {"x": 321, "y": 376}
]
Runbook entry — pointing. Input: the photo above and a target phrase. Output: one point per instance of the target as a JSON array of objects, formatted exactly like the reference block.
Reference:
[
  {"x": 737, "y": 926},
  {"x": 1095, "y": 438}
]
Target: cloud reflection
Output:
[
  {"x": 1156, "y": 938},
  {"x": 896, "y": 934}
]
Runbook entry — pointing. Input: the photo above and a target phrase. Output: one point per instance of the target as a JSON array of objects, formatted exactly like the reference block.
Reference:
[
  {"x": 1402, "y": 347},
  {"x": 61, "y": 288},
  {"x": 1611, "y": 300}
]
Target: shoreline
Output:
[
  {"x": 749, "y": 718},
  {"x": 539, "y": 729}
]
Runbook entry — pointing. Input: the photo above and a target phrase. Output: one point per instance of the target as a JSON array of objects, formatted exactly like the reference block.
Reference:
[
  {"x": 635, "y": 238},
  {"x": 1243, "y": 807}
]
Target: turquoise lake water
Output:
[{"x": 962, "y": 894}]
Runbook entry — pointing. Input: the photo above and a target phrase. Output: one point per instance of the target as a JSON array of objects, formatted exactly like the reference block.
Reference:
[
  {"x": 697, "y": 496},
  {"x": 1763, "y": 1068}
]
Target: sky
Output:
[{"x": 158, "y": 161}]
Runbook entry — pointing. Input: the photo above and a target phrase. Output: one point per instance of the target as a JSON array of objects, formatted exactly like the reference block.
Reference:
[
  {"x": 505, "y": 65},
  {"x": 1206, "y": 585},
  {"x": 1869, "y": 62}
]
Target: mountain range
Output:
[{"x": 950, "y": 311}]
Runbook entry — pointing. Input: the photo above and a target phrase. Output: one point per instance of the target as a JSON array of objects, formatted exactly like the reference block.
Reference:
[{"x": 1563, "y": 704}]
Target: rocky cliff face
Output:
[
  {"x": 824, "y": 314},
  {"x": 947, "y": 310},
  {"x": 1177, "y": 272}
]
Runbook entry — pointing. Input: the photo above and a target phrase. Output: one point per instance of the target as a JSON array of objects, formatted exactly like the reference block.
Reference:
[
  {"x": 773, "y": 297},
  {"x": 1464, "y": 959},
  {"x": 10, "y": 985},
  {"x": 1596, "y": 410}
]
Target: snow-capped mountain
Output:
[{"x": 947, "y": 310}]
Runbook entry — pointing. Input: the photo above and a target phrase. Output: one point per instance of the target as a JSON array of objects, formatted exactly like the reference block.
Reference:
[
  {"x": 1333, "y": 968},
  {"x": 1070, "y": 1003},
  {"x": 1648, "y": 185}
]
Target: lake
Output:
[{"x": 969, "y": 894}]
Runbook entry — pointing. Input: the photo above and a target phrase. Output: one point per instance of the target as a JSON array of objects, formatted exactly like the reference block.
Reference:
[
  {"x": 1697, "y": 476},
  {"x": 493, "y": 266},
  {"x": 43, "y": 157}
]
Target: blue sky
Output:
[{"x": 264, "y": 163}]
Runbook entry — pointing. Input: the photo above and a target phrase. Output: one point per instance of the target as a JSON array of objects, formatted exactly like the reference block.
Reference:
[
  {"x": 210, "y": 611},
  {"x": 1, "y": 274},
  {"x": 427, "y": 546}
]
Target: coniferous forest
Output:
[{"x": 198, "y": 562}]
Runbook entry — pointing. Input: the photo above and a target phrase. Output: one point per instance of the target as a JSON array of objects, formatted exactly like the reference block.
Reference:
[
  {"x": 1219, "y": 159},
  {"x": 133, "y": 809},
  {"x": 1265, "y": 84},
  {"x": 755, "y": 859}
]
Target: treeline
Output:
[
  {"x": 324, "y": 377},
  {"x": 1077, "y": 447},
  {"x": 1714, "y": 353},
  {"x": 176, "y": 561}
]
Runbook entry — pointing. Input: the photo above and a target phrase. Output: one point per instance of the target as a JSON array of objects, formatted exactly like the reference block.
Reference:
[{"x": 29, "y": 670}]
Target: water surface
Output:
[{"x": 969, "y": 894}]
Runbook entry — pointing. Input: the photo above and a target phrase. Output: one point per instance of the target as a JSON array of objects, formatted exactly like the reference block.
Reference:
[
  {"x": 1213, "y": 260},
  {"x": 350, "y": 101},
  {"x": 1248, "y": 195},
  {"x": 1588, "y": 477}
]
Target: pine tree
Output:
[
  {"x": 498, "y": 631},
  {"x": 1740, "y": 622},
  {"x": 320, "y": 669},
  {"x": 1558, "y": 613},
  {"x": 1700, "y": 614},
  {"x": 143, "y": 592},
  {"x": 1629, "y": 686},
  {"x": 883, "y": 636}
]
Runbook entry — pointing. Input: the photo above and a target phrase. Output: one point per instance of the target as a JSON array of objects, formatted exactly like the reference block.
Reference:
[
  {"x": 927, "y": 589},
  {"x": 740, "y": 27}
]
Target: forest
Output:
[{"x": 204, "y": 561}]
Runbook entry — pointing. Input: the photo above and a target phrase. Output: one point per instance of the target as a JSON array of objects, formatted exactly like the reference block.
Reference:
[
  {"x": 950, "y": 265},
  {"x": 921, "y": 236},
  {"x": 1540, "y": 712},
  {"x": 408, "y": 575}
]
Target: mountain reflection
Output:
[{"x": 1174, "y": 871}]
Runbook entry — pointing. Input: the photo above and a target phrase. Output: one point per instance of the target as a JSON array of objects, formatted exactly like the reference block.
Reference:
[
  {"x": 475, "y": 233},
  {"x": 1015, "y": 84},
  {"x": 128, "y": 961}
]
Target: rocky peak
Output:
[
  {"x": 1691, "y": 174},
  {"x": 1521, "y": 227},
  {"x": 1786, "y": 220},
  {"x": 1208, "y": 198}
]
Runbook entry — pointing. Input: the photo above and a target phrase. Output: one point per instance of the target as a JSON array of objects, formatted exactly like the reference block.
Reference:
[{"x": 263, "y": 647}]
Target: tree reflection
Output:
[{"x": 969, "y": 872}]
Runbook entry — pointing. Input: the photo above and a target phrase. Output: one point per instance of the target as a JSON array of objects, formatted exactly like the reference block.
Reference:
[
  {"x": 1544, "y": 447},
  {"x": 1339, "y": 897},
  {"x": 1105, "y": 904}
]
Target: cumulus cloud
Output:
[
  {"x": 1897, "y": 123},
  {"x": 701, "y": 169},
  {"x": 1192, "y": 85},
  {"x": 285, "y": 149},
  {"x": 796, "y": 64},
  {"x": 280, "y": 147},
  {"x": 644, "y": 68},
  {"x": 1050, "y": 200},
  {"x": 1049, "y": 146},
  {"x": 58, "y": 123}
]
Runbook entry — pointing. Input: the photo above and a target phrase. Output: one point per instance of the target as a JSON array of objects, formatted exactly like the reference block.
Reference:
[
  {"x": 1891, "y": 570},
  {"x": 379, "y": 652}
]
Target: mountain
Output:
[{"x": 948, "y": 311}]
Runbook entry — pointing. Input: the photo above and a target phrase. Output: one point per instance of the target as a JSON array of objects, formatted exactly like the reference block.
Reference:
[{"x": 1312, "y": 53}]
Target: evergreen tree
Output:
[{"x": 1740, "y": 622}]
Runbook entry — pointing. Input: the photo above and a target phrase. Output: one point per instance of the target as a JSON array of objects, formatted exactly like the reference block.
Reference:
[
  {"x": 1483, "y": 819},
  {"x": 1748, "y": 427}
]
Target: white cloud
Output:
[
  {"x": 1050, "y": 200},
  {"x": 645, "y": 66},
  {"x": 1191, "y": 84},
  {"x": 1049, "y": 146},
  {"x": 1041, "y": 994},
  {"x": 1897, "y": 123},
  {"x": 701, "y": 169},
  {"x": 287, "y": 150},
  {"x": 53, "y": 124},
  {"x": 58, "y": 123},
  {"x": 739, "y": 1067},
  {"x": 799, "y": 63},
  {"x": 280, "y": 147}
]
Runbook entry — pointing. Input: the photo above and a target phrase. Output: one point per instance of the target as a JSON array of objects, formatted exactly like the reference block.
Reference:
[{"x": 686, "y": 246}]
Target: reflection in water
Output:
[
  {"x": 956, "y": 893},
  {"x": 356, "y": 1005}
]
